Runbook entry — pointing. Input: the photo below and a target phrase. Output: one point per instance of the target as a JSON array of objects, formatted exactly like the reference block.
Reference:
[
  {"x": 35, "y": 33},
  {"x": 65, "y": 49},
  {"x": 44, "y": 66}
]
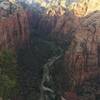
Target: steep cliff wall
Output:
[
  {"x": 81, "y": 59},
  {"x": 14, "y": 30}
]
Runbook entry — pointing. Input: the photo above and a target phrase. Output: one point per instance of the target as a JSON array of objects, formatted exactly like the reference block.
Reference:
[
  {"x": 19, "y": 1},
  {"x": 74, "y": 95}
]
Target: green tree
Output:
[{"x": 8, "y": 80}]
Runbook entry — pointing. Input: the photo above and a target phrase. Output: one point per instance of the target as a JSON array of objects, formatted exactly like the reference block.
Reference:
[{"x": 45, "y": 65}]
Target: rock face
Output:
[
  {"x": 8, "y": 7},
  {"x": 93, "y": 5},
  {"x": 86, "y": 7},
  {"x": 57, "y": 23},
  {"x": 82, "y": 59},
  {"x": 14, "y": 30},
  {"x": 84, "y": 48},
  {"x": 14, "y": 24},
  {"x": 64, "y": 26}
]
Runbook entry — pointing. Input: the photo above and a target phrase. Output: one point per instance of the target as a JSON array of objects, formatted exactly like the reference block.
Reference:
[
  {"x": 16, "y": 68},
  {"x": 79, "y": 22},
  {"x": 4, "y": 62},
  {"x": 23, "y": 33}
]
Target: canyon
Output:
[{"x": 76, "y": 31}]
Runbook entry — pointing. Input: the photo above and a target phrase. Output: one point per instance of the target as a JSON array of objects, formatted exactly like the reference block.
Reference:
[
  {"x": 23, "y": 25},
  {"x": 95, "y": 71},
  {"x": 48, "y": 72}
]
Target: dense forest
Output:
[{"x": 49, "y": 50}]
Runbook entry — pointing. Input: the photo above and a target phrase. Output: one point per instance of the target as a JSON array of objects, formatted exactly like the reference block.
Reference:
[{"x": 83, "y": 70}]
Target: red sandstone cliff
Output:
[
  {"x": 14, "y": 30},
  {"x": 61, "y": 25}
]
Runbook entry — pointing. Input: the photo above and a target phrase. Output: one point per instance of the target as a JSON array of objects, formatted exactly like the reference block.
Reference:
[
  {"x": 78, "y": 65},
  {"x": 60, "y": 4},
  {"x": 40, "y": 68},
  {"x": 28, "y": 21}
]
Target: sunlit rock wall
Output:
[
  {"x": 85, "y": 7},
  {"x": 93, "y": 5}
]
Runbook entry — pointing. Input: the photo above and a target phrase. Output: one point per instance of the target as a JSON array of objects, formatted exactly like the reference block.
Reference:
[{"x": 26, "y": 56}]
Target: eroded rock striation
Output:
[
  {"x": 80, "y": 34},
  {"x": 14, "y": 25},
  {"x": 14, "y": 30}
]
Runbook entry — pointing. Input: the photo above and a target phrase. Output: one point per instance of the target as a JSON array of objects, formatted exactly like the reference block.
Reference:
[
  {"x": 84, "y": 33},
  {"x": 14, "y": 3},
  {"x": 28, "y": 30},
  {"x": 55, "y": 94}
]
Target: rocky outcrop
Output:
[
  {"x": 63, "y": 27},
  {"x": 82, "y": 58},
  {"x": 14, "y": 30},
  {"x": 59, "y": 24},
  {"x": 14, "y": 24},
  {"x": 85, "y": 7},
  {"x": 8, "y": 7}
]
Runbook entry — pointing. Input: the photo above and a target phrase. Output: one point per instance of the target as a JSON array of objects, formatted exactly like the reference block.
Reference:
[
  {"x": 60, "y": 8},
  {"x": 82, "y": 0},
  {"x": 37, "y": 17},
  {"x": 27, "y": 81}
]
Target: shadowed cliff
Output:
[
  {"x": 37, "y": 37},
  {"x": 79, "y": 37}
]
